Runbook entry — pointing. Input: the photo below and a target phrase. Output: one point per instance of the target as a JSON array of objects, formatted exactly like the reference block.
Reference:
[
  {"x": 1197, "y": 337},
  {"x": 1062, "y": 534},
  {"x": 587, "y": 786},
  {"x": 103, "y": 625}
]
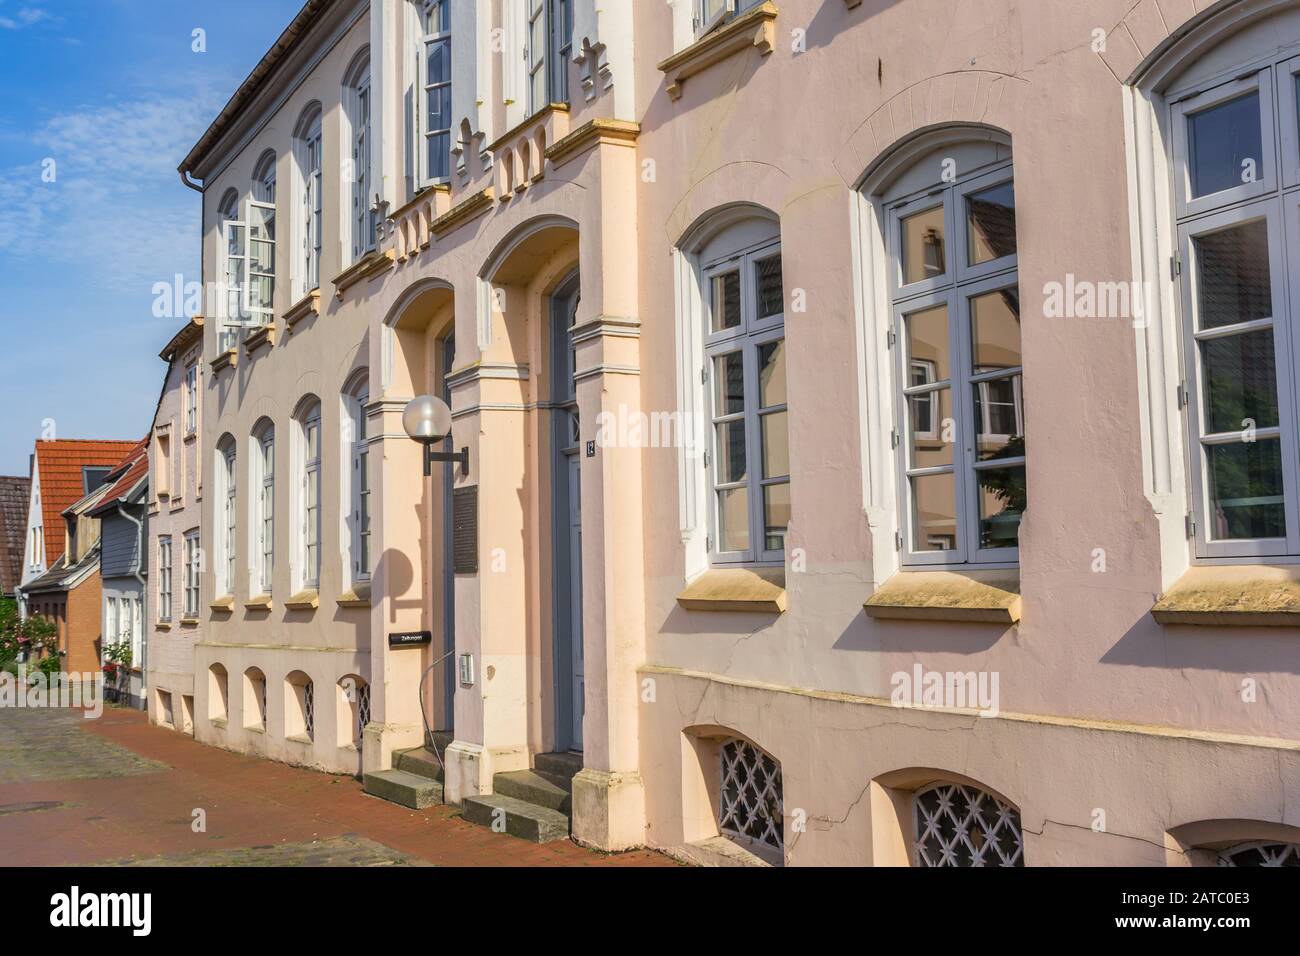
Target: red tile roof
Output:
[
  {"x": 126, "y": 476},
  {"x": 59, "y": 464}
]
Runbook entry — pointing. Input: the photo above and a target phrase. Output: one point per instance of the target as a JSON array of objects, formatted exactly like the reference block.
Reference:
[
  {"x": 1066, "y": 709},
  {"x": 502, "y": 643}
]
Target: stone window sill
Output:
[
  {"x": 189, "y": 622},
  {"x": 264, "y": 336},
  {"x": 219, "y": 722},
  {"x": 753, "y": 28},
  {"x": 260, "y": 603},
  {"x": 753, "y": 590},
  {"x": 309, "y": 304},
  {"x": 223, "y": 605},
  {"x": 163, "y": 626},
  {"x": 307, "y": 600},
  {"x": 254, "y": 729},
  {"x": 718, "y": 851},
  {"x": 298, "y": 739},
  {"x": 227, "y": 359},
  {"x": 358, "y": 597},
  {"x": 982, "y": 597},
  {"x": 1239, "y": 595}
]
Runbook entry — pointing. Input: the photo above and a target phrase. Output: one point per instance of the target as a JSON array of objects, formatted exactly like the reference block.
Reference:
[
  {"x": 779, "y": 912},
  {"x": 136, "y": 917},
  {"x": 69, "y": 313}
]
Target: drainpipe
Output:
[{"x": 144, "y": 602}]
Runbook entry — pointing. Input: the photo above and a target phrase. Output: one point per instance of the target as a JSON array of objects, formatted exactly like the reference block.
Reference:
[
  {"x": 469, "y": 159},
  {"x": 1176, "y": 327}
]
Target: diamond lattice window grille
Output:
[
  {"x": 265, "y": 711},
  {"x": 751, "y": 805},
  {"x": 363, "y": 712},
  {"x": 964, "y": 826},
  {"x": 1261, "y": 853},
  {"x": 309, "y": 708}
]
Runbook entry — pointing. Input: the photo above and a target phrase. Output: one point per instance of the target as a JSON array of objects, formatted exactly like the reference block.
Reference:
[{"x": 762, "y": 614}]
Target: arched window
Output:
[
  {"x": 356, "y": 502},
  {"x": 255, "y": 704},
  {"x": 263, "y": 523},
  {"x": 1260, "y": 853},
  {"x": 308, "y": 156},
  {"x": 954, "y": 339},
  {"x": 218, "y": 693},
  {"x": 748, "y": 462},
  {"x": 300, "y": 706},
  {"x": 227, "y": 499},
  {"x": 958, "y": 825},
  {"x": 356, "y": 96},
  {"x": 434, "y": 118},
  {"x": 261, "y": 242},
  {"x": 1229, "y": 117},
  {"x": 353, "y": 709},
  {"x": 308, "y": 511},
  {"x": 751, "y": 808}
]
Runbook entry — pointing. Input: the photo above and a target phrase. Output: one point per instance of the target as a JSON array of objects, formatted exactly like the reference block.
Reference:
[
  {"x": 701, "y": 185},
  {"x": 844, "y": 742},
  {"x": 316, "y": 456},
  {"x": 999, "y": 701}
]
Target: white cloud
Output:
[
  {"x": 25, "y": 17},
  {"x": 116, "y": 208}
]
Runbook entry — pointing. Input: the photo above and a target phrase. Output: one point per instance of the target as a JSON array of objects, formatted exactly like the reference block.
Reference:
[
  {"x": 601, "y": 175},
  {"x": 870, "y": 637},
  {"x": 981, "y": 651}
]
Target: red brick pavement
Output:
[{"x": 249, "y": 802}]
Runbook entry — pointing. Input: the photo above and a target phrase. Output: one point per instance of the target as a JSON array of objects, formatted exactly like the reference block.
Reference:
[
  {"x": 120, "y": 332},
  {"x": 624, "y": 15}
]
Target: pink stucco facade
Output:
[{"x": 1111, "y": 739}]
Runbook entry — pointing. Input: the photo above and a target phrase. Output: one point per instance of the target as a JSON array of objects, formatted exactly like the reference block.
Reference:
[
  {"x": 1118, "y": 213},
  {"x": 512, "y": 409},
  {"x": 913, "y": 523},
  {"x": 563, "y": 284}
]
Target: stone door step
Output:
[
  {"x": 404, "y": 788},
  {"x": 510, "y": 815}
]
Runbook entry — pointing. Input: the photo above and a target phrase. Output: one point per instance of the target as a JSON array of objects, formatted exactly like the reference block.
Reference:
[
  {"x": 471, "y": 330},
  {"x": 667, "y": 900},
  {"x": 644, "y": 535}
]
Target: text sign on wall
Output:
[{"x": 410, "y": 639}]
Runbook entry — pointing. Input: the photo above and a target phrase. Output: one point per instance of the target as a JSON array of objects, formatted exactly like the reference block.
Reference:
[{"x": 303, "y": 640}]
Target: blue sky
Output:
[{"x": 113, "y": 92}]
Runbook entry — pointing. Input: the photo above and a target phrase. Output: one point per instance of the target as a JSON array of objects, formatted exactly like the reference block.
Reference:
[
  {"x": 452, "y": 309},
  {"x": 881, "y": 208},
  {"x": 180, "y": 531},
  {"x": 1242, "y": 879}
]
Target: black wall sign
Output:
[
  {"x": 410, "y": 639},
  {"x": 464, "y": 524}
]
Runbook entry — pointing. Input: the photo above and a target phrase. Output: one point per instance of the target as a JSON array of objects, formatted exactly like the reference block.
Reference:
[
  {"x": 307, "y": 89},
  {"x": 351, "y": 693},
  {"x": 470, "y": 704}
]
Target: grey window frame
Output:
[
  {"x": 747, "y": 338},
  {"x": 165, "y": 579},
  {"x": 1275, "y": 199},
  {"x": 263, "y": 524},
  {"x": 955, "y": 288},
  {"x": 427, "y": 10}
]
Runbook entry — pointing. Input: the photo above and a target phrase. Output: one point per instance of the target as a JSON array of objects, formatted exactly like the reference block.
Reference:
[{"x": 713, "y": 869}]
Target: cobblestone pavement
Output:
[{"x": 117, "y": 791}]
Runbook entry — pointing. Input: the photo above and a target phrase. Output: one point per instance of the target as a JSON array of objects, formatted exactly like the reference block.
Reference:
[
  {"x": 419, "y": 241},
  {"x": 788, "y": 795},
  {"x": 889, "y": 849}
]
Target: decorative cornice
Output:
[
  {"x": 605, "y": 368},
  {"x": 756, "y": 28},
  {"x": 483, "y": 370},
  {"x": 537, "y": 118},
  {"x": 307, "y": 305},
  {"x": 424, "y": 195},
  {"x": 605, "y": 325},
  {"x": 597, "y": 132},
  {"x": 359, "y": 270},
  {"x": 463, "y": 212}
]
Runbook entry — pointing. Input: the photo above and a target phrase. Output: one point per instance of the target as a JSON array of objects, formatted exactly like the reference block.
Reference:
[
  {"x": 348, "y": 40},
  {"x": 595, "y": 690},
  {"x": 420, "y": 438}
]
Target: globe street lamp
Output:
[{"x": 427, "y": 420}]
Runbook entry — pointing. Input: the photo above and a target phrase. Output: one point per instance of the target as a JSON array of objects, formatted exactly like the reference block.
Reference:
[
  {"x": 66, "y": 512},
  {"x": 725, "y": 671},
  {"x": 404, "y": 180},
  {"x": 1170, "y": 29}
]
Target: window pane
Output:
[
  {"x": 1225, "y": 145},
  {"x": 733, "y": 519},
  {"x": 439, "y": 155},
  {"x": 767, "y": 275},
  {"x": 1240, "y": 382},
  {"x": 729, "y": 378},
  {"x": 726, "y": 301},
  {"x": 999, "y": 419},
  {"x": 776, "y": 515},
  {"x": 927, "y": 339},
  {"x": 991, "y": 223},
  {"x": 731, "y": 452},
  {"x": 924, "y": 255},
  {"x": 995, "y": 330},
  {"x": 776, "y": 445},
  {"x": 934, "y": 513},
  {"x": 1002, "y": 502},
  {"x": 771, "y": 374},
  {"x": 1233, "y": 275},
  {"x": 929, "y": 411},
  {"x": 439, "y": 108},
  {"x": 439, "y": 62},
  {"x": 1246, "y": 498}
]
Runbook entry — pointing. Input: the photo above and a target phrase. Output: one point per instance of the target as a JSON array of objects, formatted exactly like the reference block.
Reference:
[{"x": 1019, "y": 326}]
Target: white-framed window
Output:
[
  {"x": 957, "y": 825},
  {"x": 193, "y": 568},
  {"x": 361, "y": 228},
  {"x": 137, "y": 633},
  {"x": 191, "y": 399},
  {"x": 260, "y": 300},
  {"x": 1236, "y": 183},
  {"x": 309, "y": 156},
  {"x": 227, "y": 500},
  {"x": 709, "y": 14},
  {"x": 433, "y": 121},
  {"x": 234, "y": 245},
  {"x": 357, "y": 480},
  {"x": 165, "y": 578},
  {"x": 751, "y": 805},
  {"x": 959, "y": 432},
  {"x": 309, "y": 494},
  {"x": 263, "y": 525},
  {"x": 112, "y": 621},
  {"x": 550, "y": 42},
  {"x": 745, "y": 368}
]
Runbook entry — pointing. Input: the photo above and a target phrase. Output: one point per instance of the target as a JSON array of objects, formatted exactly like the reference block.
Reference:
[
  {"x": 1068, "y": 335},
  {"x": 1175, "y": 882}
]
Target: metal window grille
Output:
[
  {"x": 751, "y": 806},
  {"x": 309, "y": 708},
  {"x": 363, "y": 712},
  {"x": 964, "y": 826},
  {"x": 1261, "y": 854},
  {"x": 262, "y": 694}
]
